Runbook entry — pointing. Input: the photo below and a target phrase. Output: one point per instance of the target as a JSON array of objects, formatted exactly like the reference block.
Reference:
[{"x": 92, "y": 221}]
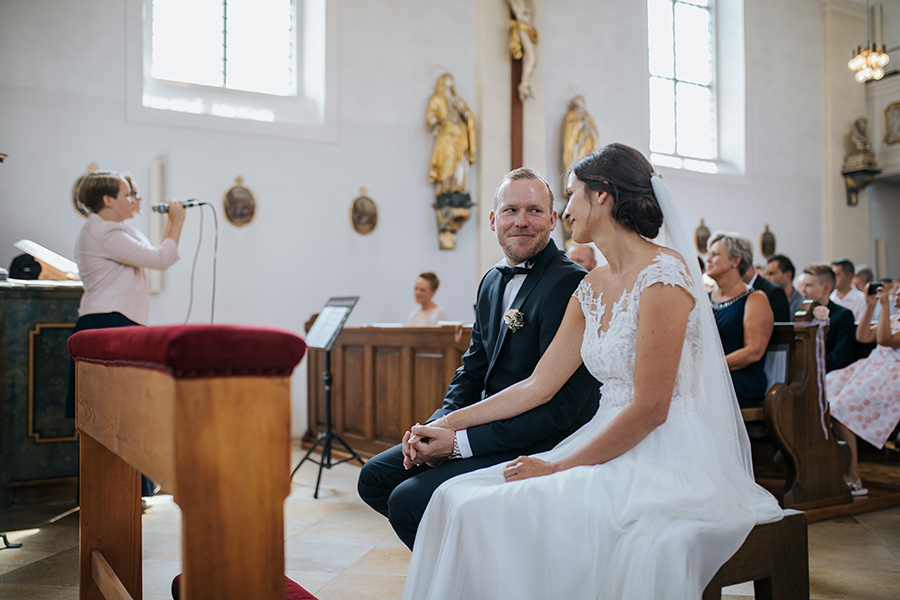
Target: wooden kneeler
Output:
[
  {"x": 205, "y": 412},
  {"x": 774, "y": 557}
]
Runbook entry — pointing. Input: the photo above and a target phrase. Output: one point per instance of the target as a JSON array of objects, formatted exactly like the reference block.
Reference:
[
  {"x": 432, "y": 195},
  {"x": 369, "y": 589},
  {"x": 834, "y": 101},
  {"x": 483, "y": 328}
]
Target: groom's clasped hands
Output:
[
  {"x": 432, "y": 445},
  {"x": 427, "y": 444}
]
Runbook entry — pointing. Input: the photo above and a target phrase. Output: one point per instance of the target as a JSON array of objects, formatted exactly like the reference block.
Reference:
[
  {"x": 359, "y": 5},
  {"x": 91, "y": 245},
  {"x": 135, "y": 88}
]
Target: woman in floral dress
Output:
[{"x": 865, "y": 397}]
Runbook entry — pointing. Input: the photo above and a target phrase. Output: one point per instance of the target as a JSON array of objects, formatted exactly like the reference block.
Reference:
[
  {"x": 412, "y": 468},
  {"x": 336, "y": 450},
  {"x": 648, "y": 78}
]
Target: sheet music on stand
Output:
[
  {"x": 328, "y": 324},
  {"x": 322, "y": 335}
]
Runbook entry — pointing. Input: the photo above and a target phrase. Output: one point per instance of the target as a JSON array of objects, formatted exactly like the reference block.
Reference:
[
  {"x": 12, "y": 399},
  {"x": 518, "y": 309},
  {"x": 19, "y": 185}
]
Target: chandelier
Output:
[{"x": 869, "y": 61}]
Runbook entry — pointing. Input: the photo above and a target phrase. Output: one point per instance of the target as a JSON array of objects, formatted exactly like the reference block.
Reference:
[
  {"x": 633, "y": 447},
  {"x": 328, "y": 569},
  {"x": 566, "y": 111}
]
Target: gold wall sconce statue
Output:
[
  {"x": 239, "y": 204},
  {"x": 579, "y": 136},
  {"x": 860, "y": 167},
  {"x": 452, "y": 124},
  {"x": 363, "y": 213}
]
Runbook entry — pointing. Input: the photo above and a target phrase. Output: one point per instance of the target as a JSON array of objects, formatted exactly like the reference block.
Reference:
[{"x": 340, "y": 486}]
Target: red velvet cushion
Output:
[
  {"x": 188, "y": 351},
  {"x": 292, "y": 590}
]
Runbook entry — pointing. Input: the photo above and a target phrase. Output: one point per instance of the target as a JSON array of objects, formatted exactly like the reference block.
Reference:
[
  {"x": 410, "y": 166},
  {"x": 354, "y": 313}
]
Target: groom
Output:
[{"x": 532, "y": 284}]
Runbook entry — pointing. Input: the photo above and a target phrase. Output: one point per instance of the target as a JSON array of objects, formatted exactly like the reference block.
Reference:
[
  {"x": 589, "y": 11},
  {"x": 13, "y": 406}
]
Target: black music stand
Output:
[{"x": 322, "y": 335}]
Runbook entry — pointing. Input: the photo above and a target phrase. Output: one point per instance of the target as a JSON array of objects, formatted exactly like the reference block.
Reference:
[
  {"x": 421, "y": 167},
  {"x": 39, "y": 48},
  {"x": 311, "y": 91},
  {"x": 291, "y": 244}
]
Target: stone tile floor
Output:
[{"x": 339, "y": 549}]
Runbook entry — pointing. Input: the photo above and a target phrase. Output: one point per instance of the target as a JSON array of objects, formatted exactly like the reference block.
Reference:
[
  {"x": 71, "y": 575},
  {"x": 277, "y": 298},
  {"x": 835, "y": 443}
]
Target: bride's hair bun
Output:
[
  {"x": 625, "y": 174},
  {"x": 639, "y": 212}
]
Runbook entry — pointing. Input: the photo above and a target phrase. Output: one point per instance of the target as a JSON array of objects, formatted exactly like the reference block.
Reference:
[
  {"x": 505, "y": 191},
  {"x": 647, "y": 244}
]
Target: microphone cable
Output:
[{"x": 194, "y": 265}]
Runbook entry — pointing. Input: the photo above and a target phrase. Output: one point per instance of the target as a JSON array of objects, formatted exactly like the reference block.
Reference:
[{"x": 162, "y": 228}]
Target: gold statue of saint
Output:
[
  {"x": 579, "y": 132},
  {"x": 453, "y": 126},
  {"x": 579, "y": 139}
]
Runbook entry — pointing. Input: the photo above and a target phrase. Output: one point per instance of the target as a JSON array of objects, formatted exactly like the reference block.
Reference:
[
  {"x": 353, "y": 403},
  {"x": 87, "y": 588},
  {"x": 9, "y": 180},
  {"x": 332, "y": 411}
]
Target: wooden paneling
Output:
[
  {"x": 351, "y": 384},
  {"x": 37, "y": 441},
  {"x": 48, "y": 369},
  {"x": 387, "y": 391},
  {"x": 428, "y": 382},
  {"x": 386, "y": 379}
]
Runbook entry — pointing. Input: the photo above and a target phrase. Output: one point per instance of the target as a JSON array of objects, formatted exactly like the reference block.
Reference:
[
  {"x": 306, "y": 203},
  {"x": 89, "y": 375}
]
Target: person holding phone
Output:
[{"x": 865, "y": 397}]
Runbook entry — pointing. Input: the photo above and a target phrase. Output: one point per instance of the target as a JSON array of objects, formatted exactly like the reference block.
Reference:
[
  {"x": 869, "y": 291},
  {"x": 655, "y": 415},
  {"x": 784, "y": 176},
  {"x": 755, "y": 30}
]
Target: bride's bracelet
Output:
[{"x": 446, "y": 423}]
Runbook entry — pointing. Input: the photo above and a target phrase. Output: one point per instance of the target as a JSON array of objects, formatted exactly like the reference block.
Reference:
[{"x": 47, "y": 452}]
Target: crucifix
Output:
[{"x": 523, "y": 38}]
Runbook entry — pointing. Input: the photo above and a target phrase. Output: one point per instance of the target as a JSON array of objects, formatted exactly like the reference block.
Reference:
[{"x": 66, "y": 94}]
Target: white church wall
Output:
[
  {"x": 62, "y": 94},
  {"x": 884, "y": 199},
  {"x": 884, "y": 194},
  {"x": 601, "y": 53},
  {"x": 62, "y": 106}
]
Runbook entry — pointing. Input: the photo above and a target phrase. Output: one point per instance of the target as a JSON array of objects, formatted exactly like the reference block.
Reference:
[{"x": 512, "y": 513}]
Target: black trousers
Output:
[{"x": 402, "y": 495}]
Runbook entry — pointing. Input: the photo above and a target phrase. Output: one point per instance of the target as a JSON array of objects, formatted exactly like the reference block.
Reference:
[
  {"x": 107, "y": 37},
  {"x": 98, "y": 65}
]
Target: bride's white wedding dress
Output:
[{"x": 656, "y": 522}]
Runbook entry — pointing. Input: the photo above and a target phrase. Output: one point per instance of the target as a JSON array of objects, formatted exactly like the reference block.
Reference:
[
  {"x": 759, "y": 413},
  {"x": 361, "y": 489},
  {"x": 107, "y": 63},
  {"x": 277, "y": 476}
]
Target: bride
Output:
[{"x": 656, "y": 492}]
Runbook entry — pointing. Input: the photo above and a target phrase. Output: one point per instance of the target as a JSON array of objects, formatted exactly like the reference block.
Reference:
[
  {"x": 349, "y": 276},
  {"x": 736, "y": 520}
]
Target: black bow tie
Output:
[{"x": 510, "y": 272}]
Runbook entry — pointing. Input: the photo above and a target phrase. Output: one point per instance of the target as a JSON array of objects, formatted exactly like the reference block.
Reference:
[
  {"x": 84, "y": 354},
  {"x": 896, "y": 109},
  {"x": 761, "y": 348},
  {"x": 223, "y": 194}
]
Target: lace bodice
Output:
[{"x": 609, "y": 355}]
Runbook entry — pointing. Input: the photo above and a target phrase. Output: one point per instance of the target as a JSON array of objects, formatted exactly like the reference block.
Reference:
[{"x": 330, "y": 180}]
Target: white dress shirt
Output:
[
  {"x": 854, "y": 301},
  {"x": 509, "y": 294}
]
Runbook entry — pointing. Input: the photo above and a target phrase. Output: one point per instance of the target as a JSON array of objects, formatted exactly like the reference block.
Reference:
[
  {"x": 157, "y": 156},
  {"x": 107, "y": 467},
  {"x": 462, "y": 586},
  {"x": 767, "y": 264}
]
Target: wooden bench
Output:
[
  {"x": 205, "y": 412},
  {"x": 792, "y": 411},
  {"x": 774, "y": 557}
]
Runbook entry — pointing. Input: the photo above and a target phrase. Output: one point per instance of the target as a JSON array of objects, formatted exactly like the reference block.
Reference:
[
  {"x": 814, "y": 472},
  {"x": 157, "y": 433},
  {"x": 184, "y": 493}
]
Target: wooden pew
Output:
[
  {"x": 205, "y": 412},
  {"x": 774, "y": 557},
  {"x": 815, "y": 459}
]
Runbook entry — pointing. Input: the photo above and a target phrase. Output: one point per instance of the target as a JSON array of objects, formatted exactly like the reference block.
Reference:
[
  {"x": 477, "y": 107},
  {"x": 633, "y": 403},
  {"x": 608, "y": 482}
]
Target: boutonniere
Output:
[
  {"x": 514, "y": 319},
  {"x": 820, "y": 313}
]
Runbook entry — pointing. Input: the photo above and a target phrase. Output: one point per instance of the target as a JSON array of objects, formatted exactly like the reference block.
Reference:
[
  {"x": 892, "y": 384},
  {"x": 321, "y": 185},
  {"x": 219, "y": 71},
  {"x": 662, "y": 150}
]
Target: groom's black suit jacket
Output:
[{"x": 498, "y": 357}]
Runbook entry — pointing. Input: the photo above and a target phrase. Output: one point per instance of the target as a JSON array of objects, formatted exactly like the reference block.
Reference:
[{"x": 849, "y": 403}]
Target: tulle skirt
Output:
[{"x": 656, "y": 522}]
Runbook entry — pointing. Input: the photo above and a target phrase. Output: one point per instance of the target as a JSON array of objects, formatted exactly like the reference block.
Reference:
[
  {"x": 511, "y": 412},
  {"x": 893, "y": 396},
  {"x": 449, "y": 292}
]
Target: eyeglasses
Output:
[{"x": 136, "y": 195}]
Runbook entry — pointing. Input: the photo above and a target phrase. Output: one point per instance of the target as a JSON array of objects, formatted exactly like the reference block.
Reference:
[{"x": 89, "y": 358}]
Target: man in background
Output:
[
  {"x": 780, "y": 271},
  {"x": 863, "y": 277},
  {"x": 844, "y": 293},
  {"x": 778, "y": 300},
  {"x": 583, "y": 255}
]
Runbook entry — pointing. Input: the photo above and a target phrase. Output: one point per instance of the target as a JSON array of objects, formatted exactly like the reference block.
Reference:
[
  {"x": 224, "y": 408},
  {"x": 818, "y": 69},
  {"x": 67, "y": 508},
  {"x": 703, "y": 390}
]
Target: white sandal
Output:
[{"x": 856, "y": 488}]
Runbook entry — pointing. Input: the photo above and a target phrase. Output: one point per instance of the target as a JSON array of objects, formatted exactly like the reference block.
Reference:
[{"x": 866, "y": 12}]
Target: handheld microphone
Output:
[{"x": 162, "y": 207}]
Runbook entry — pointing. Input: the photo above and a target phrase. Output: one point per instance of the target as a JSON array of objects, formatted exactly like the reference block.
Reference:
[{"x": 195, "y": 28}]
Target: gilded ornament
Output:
[
  {"x": 452, "y": 123},
  {"x": 579, "y": 139}
]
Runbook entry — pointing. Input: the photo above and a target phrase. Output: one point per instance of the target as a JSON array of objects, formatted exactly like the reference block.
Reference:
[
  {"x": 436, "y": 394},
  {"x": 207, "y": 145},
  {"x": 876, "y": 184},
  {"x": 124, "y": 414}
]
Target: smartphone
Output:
[{"x": 874, "y": 286}]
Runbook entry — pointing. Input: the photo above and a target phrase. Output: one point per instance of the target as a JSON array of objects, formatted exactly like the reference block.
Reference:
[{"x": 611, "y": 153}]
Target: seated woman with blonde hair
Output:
[
  {"x": 429, "y": 313},
  {"x": 743, "y": 316},
  {"x": 865, "y": 397}
]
